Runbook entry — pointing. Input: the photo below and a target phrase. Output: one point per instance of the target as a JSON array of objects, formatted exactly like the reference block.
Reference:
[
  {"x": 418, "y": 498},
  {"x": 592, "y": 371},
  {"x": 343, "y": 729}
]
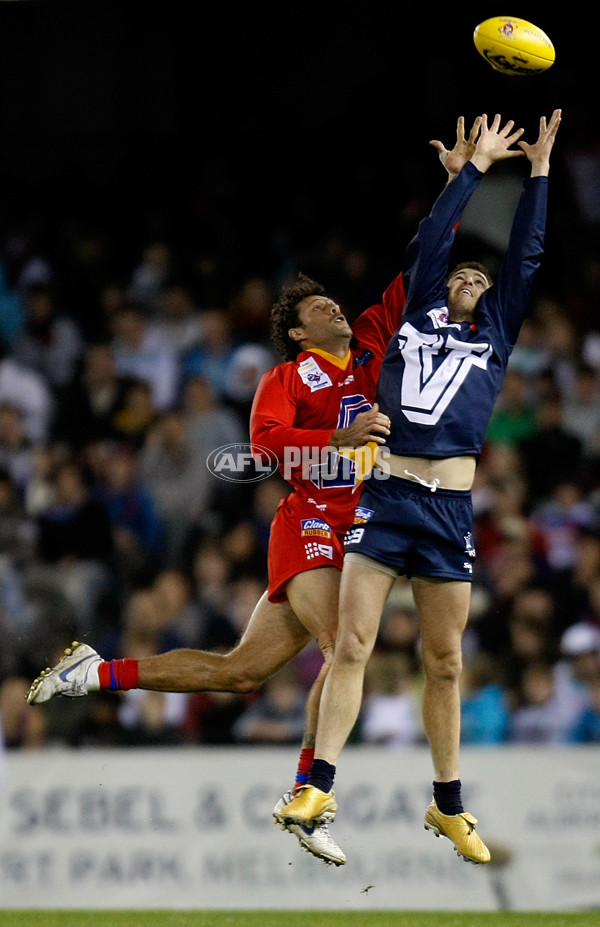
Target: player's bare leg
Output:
[
  {"x": 363, "y": 593},
  {"x": 314, "y": 597},
  {"x": 443, "y": 609}
]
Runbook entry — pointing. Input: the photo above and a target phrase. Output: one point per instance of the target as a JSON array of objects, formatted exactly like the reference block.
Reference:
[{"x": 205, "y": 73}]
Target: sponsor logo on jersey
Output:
[
  {"x": 312, "y": 375},
  {"x": 313, "y": 550},
  {"x": 441, "y": 319},
  {"x": 362, "y": 514},
  {"x": 353, "y": 536},
  {"x": 314, "y": 527},
  {"x": 469, "y": 546},
  {"x": 361, "y": 359}
]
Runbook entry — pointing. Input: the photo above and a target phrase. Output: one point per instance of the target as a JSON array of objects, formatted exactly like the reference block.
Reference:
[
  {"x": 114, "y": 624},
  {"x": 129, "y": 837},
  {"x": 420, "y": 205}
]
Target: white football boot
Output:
[
  {"x": 75, "y": 674},
  {"x": 316, "y": 840}
]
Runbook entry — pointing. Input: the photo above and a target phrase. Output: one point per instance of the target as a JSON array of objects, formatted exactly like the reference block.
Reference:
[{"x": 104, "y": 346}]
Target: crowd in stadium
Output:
[{"x": 121, "y": 370}]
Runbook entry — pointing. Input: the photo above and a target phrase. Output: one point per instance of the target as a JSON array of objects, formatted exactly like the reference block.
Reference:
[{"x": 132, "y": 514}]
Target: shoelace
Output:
[{"x": 433, "y": 485}]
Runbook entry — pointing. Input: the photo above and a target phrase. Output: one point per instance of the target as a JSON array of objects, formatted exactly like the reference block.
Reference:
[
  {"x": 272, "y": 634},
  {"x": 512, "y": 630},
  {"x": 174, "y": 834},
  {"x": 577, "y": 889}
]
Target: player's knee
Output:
[
  {"x": 352, "y": 648},
  {"x": 443, "y": 666}
]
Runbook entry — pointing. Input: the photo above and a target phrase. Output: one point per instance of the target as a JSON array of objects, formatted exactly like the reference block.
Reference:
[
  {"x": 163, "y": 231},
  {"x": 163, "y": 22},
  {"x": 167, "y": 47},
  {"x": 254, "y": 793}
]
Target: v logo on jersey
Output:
[{"x": 436, "y": 365}]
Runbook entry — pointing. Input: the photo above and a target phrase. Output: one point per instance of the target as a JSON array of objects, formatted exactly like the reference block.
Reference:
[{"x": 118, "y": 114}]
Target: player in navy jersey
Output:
[
  {"x": 320, "y": 399},
  {"x": 440, "y": 377}
]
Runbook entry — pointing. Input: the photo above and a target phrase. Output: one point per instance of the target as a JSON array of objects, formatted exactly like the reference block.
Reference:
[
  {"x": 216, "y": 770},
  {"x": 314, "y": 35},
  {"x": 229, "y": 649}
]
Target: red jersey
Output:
[{"x": 300, "y": 403}]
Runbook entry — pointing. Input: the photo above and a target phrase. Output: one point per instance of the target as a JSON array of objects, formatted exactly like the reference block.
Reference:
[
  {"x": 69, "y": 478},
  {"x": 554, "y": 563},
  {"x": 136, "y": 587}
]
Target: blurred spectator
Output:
[
  {"x": 175, "y": 472},
  {"x": 250, "y": 310},
  {"x": 579, "y": 666},
  {"x": 173, "y": 591},
  {"x": 178, "y": 319},
  {"x": 211, "y": 716},
  {"x": 485, "y": 708},
  {"x": 560, "y": 340},
  {"x": 23, "y": 728},
  {"x": 141, "y": 353},
  {"x": 246, "y": 366},
  {"x": 137, "y": 413},
  {"x": 540, "y": 715},
  {"x": 30, "y": 392},
  {"x": 513, "y": 418},
  {"x": 212, "y": 356},
  {"x": 528, "y": 354},
  {"x": 586, "y": 726},
  {"x": 137, "y": 530},
  {"x": 88, "y": 408},
  {"x": 209, "y": 423},
  {"x": 148, "y": 718},
  {"x": 559, "y": 519},
  {"x": 211, "y": 576},
  {"x": 514, "y": 555},
  {"x": 241, "y": 546},
  {"x": 390, "y": 713},
  {"x": 12, "y": 310},
  {"x": 150, "y": 276},
  {"x": 277, "y": 715},
  {"x": 16, "y": 449},
  {"x": 519, "y": 630},
  {"x": 50, "y": 342},
  {"x": 581, "y": 409},
  {"x": 552, "y": 455},
  {"x": 17, "y": 527},
  {"x": 573, "y": 594},
  {"x": 40, "y": 491},
  {"x": 74, "y": 548}
]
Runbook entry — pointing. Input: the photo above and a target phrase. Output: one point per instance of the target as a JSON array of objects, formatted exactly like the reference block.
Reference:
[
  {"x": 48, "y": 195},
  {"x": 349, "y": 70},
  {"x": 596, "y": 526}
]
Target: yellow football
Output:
[{"x": 514, "y": 46}]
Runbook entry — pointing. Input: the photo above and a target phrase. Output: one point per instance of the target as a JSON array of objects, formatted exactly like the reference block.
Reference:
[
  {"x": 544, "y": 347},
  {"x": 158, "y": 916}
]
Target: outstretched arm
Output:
[{"x": 538, "y": 154}]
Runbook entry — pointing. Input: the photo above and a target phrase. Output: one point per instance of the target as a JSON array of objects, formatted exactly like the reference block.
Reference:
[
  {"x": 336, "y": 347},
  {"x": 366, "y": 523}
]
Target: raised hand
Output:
[
  {"x": 539, "y": 153},
  {"x": 455, "y": 159},
  {"x": 495, "y": 141}
]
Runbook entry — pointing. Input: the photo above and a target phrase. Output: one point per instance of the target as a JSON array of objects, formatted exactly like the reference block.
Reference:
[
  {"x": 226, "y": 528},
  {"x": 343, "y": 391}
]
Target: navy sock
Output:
[
  {"x": 447, "y": 796},
  {"x": 321, "y": 775}
]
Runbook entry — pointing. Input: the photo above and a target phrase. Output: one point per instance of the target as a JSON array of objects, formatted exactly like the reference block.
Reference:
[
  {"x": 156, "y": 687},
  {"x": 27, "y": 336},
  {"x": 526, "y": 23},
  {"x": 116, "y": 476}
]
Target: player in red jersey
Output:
[{"x": 318, "y": 402}]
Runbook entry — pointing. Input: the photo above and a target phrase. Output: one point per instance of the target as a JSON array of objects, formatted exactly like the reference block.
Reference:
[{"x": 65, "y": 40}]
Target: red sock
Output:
[
  {"x": 304, "y": 764},
  {"x": 118, "y": 674}
]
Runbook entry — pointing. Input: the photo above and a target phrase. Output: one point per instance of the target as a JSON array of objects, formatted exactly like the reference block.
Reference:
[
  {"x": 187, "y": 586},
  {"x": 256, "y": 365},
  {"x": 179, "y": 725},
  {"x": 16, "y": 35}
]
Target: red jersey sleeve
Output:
[
  {"x": 274, "y": 412},
  {"x": 375, "y": 326}
]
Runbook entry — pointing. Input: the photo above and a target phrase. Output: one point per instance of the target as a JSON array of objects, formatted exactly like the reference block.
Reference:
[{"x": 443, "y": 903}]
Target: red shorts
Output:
[{"x": 300, "y": 540}]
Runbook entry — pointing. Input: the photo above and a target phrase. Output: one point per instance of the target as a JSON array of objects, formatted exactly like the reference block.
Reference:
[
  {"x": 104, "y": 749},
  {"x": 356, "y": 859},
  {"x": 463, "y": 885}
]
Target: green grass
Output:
[{"x": 14, "y": 918}]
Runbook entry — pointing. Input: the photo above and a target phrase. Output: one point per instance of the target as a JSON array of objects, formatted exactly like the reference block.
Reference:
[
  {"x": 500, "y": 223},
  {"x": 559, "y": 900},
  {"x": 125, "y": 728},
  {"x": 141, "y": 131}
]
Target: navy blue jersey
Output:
[{"x": 439, "y": 379}]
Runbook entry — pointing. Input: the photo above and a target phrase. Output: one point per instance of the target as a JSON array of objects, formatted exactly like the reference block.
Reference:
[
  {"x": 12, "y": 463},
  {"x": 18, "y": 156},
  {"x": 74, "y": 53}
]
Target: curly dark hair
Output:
[{"x": 284, "y": 314}]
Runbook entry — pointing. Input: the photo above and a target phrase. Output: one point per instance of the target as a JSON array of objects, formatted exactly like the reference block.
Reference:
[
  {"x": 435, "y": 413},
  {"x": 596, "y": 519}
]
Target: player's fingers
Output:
[
  {"x": 516, "y": 135},
  {"x": 475, "y": 130},
  {"x": 504, "y": 131}
]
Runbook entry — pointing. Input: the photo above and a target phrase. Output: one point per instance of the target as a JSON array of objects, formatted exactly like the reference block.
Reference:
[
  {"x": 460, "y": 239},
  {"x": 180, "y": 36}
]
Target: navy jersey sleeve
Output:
[
  {"x": 427, "y": 255},
  {"x": 508, "y": 300}
]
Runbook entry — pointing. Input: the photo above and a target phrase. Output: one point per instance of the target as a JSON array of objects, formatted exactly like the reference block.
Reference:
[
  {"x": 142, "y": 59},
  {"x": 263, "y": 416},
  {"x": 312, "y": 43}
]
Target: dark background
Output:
[{"x": 248, "y": 129}]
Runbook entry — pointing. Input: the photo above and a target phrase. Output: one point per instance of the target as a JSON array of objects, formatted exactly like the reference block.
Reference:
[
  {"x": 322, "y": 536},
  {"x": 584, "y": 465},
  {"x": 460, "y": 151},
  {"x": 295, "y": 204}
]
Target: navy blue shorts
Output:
[{"x": 413, "y": 530}]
